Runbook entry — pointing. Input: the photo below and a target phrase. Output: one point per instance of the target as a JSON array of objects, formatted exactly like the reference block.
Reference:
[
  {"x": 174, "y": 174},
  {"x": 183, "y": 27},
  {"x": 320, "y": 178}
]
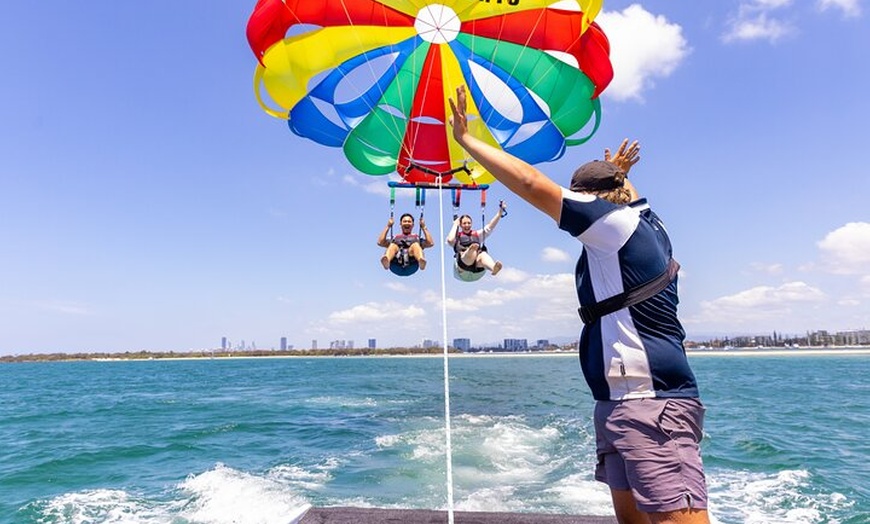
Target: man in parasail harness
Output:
[
  {"x": 407, "y": 245},
  {"x": 648, "y": 416}
]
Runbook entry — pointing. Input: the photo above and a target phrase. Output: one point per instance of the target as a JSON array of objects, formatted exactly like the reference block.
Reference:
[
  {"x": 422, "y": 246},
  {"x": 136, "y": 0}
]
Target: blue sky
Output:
[{"x": 146, "y": 202}]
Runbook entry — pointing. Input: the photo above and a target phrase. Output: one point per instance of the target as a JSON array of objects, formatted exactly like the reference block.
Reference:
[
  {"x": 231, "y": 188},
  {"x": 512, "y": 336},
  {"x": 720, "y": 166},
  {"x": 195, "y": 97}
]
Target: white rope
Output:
[{"x": 448, "y": 444}]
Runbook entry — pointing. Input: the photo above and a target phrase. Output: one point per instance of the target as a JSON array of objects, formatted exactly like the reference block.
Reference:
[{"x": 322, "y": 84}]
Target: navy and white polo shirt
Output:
[{"x": 636, "y": 352}]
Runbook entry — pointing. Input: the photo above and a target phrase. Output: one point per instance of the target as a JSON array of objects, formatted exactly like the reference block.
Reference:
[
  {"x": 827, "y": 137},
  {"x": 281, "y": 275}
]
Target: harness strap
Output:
[
  {"x": 483, "y": 218},
  {"x": 392, "y": 209},
  {"x": 635, "y": 295},
  {"x": 421, "y": 203}
]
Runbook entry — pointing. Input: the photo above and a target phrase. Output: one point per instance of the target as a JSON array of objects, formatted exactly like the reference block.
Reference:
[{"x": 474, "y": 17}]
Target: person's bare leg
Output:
[
  {"x": 469, "y": 256},
  {"x": 627, "y": 512},
  {"x": 626, "y": 508},
  {"x": 390, "y": 254},
  {"x": 486, "y": 261},
  {"x": 683, "y": 516},
  {"x": 417, "y": 252}
]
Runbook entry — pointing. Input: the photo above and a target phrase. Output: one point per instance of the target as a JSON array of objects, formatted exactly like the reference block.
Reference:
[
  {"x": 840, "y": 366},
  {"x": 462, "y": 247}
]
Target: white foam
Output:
[
  {"x": 344, "y": 402},
  {"x": 582, "y": 495},
  {"x": 224, "y": 495},
  {"x": 502, "y": 463},
  {"x": 496, "y": 498},
  {"x": 301, "y": 479},
  {"x": 105, "y": 506},
  {"x": 426, "y": 445},
  {"x": 762, "y": 498}
]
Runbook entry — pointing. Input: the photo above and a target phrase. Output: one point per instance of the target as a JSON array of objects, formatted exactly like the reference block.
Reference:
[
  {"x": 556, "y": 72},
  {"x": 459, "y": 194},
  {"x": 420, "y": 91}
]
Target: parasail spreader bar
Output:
[{"x": 433, "y": 185}]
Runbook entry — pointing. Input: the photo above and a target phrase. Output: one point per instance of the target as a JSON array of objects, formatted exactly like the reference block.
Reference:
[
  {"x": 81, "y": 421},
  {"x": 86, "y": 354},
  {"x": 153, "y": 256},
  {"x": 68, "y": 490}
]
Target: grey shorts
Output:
[{"x": 651, "y": 447}]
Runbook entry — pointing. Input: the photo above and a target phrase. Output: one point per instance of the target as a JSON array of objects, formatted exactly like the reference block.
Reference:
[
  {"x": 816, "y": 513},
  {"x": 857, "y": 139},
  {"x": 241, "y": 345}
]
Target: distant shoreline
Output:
[
  {"x": 149, "y": 357},
  {"x": 737, "y": 352},
  {"x": 694, "y": 352},
  {"x": 782, "y": 351}
]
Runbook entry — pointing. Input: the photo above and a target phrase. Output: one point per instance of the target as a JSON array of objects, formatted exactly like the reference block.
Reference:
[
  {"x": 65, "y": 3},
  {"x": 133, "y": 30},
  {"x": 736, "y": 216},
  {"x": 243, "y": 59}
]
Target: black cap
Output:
[{"x": 598, "y": 175}]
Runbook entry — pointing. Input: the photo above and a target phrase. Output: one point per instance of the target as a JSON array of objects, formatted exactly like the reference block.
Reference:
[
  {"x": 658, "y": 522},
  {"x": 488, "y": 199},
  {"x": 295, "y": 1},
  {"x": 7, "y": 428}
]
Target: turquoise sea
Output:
[{"x": 245, "y": 440}]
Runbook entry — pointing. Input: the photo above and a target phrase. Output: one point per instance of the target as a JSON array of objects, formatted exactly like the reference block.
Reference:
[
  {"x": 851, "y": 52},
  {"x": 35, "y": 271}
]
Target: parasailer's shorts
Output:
[{"x": 651, "y": 447}]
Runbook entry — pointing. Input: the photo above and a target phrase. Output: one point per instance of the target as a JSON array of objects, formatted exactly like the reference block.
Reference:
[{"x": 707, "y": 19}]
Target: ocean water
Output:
[{"x": 246, "y": 440}]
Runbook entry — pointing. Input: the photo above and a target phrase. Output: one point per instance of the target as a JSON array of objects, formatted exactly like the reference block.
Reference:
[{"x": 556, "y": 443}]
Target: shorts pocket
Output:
[{"x": 682, "y": 419}]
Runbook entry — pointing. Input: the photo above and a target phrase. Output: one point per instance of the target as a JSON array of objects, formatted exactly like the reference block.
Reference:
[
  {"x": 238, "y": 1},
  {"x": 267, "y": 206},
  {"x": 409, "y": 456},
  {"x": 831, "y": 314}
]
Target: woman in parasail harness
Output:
[{"x": 471, "y": 253}]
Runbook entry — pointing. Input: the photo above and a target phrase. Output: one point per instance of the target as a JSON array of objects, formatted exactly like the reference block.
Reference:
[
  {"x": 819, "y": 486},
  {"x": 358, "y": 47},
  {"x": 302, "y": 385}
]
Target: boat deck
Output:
[{"x": 425, "y": 516}]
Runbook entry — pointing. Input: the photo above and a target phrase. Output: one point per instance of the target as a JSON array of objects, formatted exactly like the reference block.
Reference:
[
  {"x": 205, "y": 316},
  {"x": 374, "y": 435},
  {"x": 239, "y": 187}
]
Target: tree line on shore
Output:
[{"x": 157, "y": 355}]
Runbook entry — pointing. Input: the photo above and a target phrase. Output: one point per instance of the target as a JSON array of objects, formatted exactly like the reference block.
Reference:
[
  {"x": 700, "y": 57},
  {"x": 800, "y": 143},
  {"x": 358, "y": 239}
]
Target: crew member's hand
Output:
[
  {"x": 626, "y": 156},
  {"x": 390, "y": 222}
]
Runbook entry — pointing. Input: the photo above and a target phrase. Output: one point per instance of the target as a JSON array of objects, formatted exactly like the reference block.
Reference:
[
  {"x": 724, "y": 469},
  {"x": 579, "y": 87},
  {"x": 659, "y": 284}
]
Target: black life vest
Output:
[
  {"x": 464, "y": 240},
  {"x": 404, "y": 241}
]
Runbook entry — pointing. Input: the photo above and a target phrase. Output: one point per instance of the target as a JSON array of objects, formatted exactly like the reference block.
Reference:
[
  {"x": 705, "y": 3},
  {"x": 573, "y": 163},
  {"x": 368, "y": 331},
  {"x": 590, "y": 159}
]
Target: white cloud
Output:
[
  {"x": 850, "y": 8},
  {"x": 846, "y": 251},
  {"x": 538, "y": 306},
  {"x": 771, "y": 297},
  {"x": 768, "y": 4},
  {"x": 767, "y": 269},
  {"x": 510, "y": 275},
  {"x": 376, "y": 185},
  {"x": 377, "y": 312},
  {"x": 643, "y": 47},
  {"x": 323, "y": 179},
  {"x": 525, "y": 306},
  {"x": 753, "y": 21},
  {"x": 760, "y": 27},
  {"x": 758, "y": 306},
  {"x": 399, "y": 287},
  {"x": 768, "y": 19},
  {"x": 552, "y": 254}
]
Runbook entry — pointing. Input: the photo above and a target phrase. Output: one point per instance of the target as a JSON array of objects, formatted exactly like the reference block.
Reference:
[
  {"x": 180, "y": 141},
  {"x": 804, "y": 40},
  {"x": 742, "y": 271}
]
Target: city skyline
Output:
[{"x": 854, "y": 336}]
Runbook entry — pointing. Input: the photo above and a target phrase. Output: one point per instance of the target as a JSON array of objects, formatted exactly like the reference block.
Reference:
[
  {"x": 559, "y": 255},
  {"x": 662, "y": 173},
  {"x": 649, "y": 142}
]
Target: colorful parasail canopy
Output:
[{"x": 374, "y": 78}]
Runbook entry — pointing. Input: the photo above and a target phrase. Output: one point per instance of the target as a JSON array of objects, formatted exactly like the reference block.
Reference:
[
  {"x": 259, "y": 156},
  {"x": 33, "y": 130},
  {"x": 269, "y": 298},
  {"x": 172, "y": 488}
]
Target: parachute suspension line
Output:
[
  {"x": 371, "y": 70},
  {"x": 526, "y": 45},
  {"x": 409, "y": 147},
  {"x": 448, "y": 444}
]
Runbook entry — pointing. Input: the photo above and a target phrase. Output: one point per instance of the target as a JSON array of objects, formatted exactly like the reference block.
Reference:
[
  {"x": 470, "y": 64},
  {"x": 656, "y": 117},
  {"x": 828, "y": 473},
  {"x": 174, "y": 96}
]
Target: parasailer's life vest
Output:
[
  {"x": 464, "y": 240},
  {"x": 405, "y": 241}
]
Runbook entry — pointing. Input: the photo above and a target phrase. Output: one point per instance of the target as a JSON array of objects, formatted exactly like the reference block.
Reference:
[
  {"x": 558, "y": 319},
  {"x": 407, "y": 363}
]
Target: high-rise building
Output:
[
  {"x": 283, "y": 343},
  {"x": 462, "y": 344},
  {"x": 373, "y": 343},
  {"x": 314, "y": 344},
  {"x": 224, "y": 343},
  {"x": 516, "y": 344}
]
